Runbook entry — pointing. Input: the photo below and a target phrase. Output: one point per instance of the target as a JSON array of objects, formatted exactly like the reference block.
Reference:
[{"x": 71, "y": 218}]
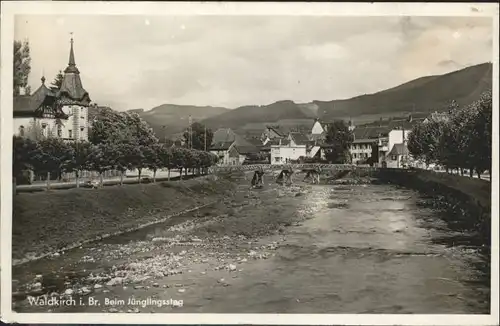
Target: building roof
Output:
[
  {"x": 370, "y": 132},
  {"x": 299, "y": 138},
  {"x": 22, "y": 104},
  {"x": 247, "y": 149},
  {"x": 221, "y": 146},
  {"x": 399, "y": 149},
  {"x": 404, "y": 123},
  {"x": 254, "y": 141},
  {"x": 244, "y": 146},
  {"x": 29, "y": 104},
  {"x": 72, "y": 90}
]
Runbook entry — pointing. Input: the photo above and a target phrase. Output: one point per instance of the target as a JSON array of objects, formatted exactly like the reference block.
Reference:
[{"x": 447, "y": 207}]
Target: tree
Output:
[
  {"x": 431, "y": 134},
  {"x": 458, "y": 139},
  {"x": 22, "y": 157},
  {"x": 166, "y": 158},
  {"x": 179, "y": 158},
  {"x": 415, "y": 143},
  {"x": 122, "y": 158},
  {"x": 110, "y": 127},
  {"x": 53, "y": 155},
  {"x": 57, "y": 82},
  {"x": 198, "y": 136},
  {"x": 340, "y": 138},
  {"x": 140, "y": 131},
  {"x": 153, "y": 159},
  {"x": 480, "y": 133},
  {"x": 207, "y": 159},
  {"x": 81, "y": 153},
  {"x": 22, "y": 66},
  {"x": 102, "y": 159},
  {"x": 138, "y": 159}
]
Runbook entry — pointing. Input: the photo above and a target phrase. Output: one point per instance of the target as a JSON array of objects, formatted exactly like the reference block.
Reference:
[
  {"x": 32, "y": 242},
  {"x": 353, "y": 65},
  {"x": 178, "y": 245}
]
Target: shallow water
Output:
[
  {"x": 361, "y": 249},
  {"x": 376, "y": 256}
]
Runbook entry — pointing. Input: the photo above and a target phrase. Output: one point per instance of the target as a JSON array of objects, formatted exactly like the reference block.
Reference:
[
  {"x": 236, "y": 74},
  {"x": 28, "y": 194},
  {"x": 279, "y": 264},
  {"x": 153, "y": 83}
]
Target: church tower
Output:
[{"x": 74, "y": 101}]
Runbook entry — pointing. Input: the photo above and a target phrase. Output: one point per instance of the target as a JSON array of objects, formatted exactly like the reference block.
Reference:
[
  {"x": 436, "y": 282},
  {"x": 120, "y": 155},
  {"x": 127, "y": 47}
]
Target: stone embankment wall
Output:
[{"x": 466, "y": 198}]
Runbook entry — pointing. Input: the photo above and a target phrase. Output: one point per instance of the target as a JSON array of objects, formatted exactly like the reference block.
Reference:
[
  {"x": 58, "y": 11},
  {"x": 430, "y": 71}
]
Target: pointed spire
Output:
[
  {"x": 71, "y": 54},
  {"x": 71, "y": 64}
]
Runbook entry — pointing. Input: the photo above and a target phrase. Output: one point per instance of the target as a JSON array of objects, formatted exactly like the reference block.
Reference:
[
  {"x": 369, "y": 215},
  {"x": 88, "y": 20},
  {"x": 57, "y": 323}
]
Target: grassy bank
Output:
[{"x": 48, "y": 221}]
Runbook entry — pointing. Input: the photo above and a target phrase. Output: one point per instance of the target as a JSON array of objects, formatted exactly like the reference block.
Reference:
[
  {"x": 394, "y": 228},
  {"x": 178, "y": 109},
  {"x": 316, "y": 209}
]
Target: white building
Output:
[
  {"x": 398, "y": 155},
  {"x": 289, "y": 149},
  {"x": 59, "y": 112}
]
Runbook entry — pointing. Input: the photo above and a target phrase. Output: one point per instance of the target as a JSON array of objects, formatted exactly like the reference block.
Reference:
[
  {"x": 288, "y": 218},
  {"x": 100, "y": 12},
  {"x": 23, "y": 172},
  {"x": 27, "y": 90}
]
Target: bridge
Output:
[{"x": 295, "y": 167}]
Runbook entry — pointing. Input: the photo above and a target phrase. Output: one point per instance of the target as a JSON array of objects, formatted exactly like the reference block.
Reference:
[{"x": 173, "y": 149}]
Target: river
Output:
[{"x": 339, "y": 249}]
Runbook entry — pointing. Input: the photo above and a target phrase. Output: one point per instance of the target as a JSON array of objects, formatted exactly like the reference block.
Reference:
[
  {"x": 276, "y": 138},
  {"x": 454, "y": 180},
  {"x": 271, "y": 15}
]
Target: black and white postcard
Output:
[{"x": 249, "y": 163}]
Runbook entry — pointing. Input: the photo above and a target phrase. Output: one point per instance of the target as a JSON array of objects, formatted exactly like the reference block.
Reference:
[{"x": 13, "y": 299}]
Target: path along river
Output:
[{"x": 337, "y": 249}]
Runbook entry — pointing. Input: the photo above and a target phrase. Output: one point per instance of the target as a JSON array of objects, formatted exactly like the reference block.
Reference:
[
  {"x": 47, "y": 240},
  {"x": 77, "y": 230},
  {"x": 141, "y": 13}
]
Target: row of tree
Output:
[
  {"x": 117, "y": 141},
  {"x": 458, "y": 139},
  {"x": 54, "y": 156}
]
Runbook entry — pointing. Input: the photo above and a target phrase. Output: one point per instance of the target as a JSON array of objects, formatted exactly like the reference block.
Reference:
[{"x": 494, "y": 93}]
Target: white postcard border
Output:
[{"x": 9, "y": 9}]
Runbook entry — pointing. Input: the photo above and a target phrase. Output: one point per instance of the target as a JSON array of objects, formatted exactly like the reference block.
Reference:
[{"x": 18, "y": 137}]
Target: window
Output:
[
  {"x": 21, "y": 131},
  {"x": 394, "y": 157},
  {"x": 277, "y": 159},
  {"x": 70, "y": 133},
  {"x": 59, "y": 131}
]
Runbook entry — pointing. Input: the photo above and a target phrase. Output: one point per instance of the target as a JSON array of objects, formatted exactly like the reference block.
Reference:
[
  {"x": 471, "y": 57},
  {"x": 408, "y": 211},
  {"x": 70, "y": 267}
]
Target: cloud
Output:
[{"x": 143, "y": 61}]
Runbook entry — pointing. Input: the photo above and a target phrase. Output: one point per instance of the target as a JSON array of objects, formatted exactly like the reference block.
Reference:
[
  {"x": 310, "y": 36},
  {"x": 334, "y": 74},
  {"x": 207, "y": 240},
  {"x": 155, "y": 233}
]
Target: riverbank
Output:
[{"x": 46, "y": 222}]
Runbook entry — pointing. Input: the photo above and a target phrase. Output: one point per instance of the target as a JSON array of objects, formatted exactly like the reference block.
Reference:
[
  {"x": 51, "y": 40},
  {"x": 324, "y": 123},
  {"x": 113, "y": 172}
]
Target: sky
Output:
[{"x": 131, "y": 62}]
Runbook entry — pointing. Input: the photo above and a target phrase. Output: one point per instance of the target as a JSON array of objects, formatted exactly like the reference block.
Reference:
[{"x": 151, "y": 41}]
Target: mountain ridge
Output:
[{"x": 421, "y": 95}]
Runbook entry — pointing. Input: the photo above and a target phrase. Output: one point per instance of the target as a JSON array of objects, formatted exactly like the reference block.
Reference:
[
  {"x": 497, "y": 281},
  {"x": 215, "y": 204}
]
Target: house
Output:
[
  {"x": 288, "y": 149},
  {"x": 231, "y": 148},
  {"x": 397, "y": 136},
  {"x": 398, "y": 157},
  {"x": 59, "y": 112},
  {"x": 361, "y": 150},
  {"x": 396, "y": 144},
  {"x": 226, "y": 152},
  {"x": 365, "y": 137}
]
